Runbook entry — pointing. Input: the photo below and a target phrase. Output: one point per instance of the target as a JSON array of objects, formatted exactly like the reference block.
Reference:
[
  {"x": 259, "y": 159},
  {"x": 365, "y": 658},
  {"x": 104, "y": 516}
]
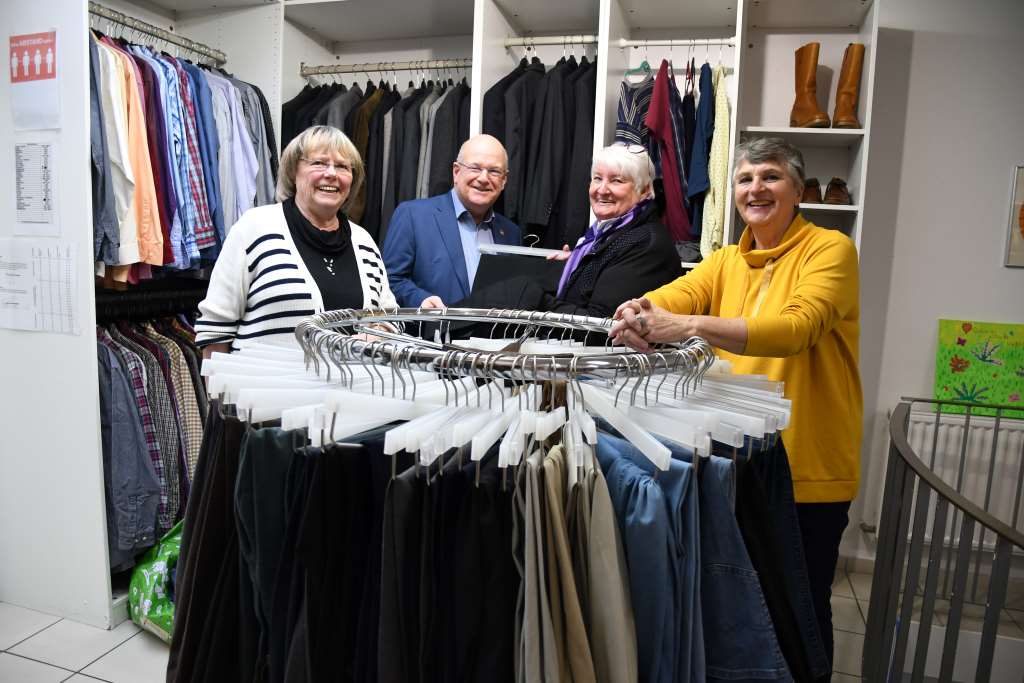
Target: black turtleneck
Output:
[{"x": 328, "y": 256}]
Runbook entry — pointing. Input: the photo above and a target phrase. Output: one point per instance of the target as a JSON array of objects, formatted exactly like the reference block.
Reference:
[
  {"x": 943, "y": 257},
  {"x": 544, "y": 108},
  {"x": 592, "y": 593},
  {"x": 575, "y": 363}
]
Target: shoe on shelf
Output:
[
  {"x": 805, "y": 112},
  {"x": 848, "y": 88},
  {"x": 812, "y": 192},
  {"x": 837, "y": 193}
]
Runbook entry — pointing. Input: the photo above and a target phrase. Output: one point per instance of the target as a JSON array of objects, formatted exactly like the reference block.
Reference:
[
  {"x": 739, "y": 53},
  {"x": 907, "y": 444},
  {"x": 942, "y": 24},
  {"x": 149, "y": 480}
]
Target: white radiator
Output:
[{"x": 944, "y": 452}]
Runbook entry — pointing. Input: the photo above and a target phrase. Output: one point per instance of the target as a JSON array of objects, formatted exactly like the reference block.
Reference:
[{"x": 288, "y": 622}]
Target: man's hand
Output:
[
  {"x": 562, "y": 255},
  {"x": 433, "y": 301}
]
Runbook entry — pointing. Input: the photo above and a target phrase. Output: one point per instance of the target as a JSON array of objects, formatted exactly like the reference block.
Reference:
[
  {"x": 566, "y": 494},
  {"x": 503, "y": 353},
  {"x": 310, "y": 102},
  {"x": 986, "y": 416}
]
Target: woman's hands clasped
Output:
[{"x": 639, "y": 324}]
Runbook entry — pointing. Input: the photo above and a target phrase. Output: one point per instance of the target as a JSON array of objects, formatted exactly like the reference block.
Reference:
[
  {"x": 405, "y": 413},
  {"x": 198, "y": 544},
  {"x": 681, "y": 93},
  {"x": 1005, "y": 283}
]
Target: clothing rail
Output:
[
  {"x": 166, "y": 36},
  {"x": 623, "y": 43},
  {"x": 328, "y": 336},
  {"x": 142, "y": 302},
  {"x": 530, "y": 41},
  {"x": 461, "y": 63}
]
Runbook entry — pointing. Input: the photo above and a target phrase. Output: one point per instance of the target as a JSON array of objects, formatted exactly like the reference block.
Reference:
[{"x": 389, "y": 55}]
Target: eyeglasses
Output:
[
  {"x": 492, "y": 173},
  {"x": 321, "y": 166},
  {"x": 635, "y": 149}
]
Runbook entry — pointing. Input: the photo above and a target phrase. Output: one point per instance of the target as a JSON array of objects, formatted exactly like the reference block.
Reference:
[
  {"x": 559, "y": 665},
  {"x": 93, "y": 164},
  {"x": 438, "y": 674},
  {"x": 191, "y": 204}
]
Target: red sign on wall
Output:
[{"x": 33, "y": 57}]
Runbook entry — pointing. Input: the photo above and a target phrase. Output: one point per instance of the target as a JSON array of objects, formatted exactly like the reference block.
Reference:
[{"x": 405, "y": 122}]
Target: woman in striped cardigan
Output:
[{"x": 283, "y": 262}]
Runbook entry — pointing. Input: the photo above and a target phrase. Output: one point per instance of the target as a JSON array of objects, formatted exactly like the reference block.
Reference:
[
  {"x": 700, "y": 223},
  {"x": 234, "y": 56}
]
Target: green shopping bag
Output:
[{"x": 149, "y": 600}]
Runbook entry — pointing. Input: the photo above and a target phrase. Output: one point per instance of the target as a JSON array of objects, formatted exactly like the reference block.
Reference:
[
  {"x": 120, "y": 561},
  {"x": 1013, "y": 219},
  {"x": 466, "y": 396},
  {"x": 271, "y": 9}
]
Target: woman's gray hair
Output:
[
  {"x": 763, "y": 150},
  {"x": 631, "y": 161},
  {"x": 318, "y": 139}
]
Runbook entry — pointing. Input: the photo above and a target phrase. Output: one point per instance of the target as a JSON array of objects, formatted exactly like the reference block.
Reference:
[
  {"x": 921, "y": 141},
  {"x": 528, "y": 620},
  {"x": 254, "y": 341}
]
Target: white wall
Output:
[
  {"x": 945, "y": 135},
  {"x": 53, "y": 545}
]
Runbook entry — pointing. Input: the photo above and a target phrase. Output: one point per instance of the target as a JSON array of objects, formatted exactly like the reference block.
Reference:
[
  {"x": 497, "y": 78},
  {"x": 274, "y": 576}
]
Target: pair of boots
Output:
[
  {"x": 805, "y": 112},
  {"x": 835, "y": 193}
]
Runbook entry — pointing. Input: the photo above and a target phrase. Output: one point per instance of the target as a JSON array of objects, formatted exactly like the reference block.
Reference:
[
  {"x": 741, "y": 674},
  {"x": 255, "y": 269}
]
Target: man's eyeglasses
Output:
[
  {"x": 492, "y": 173},
  {"x": 321, "y": 166}
]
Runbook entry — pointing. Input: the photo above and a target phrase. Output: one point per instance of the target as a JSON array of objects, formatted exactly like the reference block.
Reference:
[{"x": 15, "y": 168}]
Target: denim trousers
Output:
[
  {"x": 769, "y": 460},
  {"x": 659, "y": 520},
  {"x": 739, "y": 636}
]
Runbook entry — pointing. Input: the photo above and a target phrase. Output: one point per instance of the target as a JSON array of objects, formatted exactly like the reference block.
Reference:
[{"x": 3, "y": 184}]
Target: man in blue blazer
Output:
[{"x": 431, "y": 247}]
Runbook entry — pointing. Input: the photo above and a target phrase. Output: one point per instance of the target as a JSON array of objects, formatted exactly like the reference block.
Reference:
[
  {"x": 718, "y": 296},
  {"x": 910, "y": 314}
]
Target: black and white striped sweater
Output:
[{"x": 260, "y": 287}]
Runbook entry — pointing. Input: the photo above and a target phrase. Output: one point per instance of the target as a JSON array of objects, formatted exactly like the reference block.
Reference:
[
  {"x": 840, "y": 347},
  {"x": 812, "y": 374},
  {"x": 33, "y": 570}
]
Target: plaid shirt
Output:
[
  {"x": 163, "y": 415},
  {"x": 192, "y": 423},
  {"x": 137, "y": 379},
  {"x": 202, "y": 221}
]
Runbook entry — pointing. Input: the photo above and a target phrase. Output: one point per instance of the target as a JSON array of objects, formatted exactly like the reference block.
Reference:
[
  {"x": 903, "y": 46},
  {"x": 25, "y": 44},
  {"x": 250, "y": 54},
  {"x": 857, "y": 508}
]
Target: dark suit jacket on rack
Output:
[
  {"x": 547, "y": 158},
  {"x": 423, "y": 250},
  {"x": 519, "y": 103},
  {"x": 444, "y": 147}
]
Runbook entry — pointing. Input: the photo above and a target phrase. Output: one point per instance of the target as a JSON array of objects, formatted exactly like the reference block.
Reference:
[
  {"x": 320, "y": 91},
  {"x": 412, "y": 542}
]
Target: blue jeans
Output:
[
  {"x": 739, "y": 635},
  {"x": 772, "y": 464},
  {"x": 659, "y": 522}
]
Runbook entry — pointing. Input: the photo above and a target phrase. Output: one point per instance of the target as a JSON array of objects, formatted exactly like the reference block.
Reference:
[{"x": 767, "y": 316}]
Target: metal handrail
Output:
[
  {"x": 898, "y": 433},
  {"x": 898, "y": 596}
]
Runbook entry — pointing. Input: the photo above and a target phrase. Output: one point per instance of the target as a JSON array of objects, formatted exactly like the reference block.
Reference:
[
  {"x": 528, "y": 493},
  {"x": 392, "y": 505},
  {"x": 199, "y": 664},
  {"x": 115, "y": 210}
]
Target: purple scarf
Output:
[{"x": 595, "y": 234}]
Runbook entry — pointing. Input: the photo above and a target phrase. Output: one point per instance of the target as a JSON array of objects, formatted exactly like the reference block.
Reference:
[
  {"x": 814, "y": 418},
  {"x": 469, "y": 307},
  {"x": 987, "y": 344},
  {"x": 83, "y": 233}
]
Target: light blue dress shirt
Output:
[{"x": 472, "y": 235}]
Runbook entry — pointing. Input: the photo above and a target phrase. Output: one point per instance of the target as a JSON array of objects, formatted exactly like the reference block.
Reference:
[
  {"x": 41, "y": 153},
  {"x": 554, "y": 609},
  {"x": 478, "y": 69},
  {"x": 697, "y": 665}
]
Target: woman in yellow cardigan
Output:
[{"x": 784, "y": 302}]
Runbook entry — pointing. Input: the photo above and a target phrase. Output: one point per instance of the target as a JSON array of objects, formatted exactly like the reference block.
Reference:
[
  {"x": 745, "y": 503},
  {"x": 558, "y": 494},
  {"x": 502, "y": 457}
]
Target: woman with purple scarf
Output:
[{"x": 627, "y": 249}]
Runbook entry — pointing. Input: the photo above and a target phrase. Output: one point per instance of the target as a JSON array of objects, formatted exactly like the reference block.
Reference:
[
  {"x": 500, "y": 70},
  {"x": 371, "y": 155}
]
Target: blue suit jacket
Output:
[{"x": 423, "y": 251}]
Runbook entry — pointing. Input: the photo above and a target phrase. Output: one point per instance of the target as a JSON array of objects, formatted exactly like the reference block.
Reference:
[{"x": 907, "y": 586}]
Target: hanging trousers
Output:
[{"x": 821, "y": 528}]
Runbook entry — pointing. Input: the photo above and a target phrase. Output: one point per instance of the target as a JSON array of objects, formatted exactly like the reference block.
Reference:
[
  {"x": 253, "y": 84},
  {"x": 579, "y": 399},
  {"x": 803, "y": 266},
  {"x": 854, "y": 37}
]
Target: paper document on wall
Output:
[
  {"x": 35, "y": 189},
  {"x": 35, "y": 85},
  {"x": 38, "y": 287}
]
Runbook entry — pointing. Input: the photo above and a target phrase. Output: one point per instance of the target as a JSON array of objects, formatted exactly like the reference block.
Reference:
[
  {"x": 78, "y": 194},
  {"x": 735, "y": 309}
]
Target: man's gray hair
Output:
[
  {"x": 313, "y": 140},
  {"x": 632, "y": 161},
  {"x": 763, "y": 150}
]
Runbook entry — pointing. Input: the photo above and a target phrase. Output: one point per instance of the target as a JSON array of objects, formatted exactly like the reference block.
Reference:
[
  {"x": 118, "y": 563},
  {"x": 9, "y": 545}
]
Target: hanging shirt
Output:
[
  {"x": 225, "y": 142},
  {"x": 209, "y": 146},
  {"x": 115, "y": 120},
  {"x": 659, "y": 122},
  {"x": 712, "y": 235},
  {"x": 472, "y": 235},
  {"x": 244, "y": 162},
  {"x": 699, "y": 180},
  {"x": 630, "y": 128},
  {"x": 104, "y": 216},
  {"x": 202, "y": 223}
]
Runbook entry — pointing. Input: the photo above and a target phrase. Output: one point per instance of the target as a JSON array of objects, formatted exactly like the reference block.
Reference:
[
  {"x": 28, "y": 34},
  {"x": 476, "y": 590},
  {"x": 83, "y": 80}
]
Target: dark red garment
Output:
[
  {"x": 156, "y": 136},
  {"x": 659, "y": 121}
]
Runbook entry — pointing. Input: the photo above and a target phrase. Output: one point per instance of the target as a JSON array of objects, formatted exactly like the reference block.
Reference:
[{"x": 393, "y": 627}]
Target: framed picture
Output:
[{"x": 1015, "y": 238}]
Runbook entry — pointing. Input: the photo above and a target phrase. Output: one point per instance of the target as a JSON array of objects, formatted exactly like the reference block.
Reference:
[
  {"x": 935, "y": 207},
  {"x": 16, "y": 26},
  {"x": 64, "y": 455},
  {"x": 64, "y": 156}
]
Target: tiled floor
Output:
[{"x": 39, "y": 648}]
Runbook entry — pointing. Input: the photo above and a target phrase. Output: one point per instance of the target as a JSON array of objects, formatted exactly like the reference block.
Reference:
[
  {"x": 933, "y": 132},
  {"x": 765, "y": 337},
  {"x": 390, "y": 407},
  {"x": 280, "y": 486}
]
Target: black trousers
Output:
[{"x": 821, "y": 527}]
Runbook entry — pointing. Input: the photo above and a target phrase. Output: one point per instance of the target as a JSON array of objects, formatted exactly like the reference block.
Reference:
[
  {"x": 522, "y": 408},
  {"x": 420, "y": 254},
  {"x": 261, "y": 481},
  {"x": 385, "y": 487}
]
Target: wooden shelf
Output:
[
  {"x": 835, "y": 208},
  {"x": 811, "y": 137}
]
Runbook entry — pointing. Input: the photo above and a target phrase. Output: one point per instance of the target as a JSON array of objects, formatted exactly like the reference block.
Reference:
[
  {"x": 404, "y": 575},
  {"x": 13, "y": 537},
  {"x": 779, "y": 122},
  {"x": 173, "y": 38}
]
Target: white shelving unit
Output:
[
  {"x": 52, "y": 514},
  {"x": 774, "y": 31}
]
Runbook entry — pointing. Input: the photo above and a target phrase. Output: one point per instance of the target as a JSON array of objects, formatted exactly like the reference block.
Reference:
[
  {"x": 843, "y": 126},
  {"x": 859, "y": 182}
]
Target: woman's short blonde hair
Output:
[
  {"x": 632, "y": 161},
  {"x": 314, "y": 140}
]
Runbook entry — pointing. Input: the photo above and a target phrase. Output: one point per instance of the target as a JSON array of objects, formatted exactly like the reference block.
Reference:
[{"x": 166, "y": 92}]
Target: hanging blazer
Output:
[{"x": 423, "y": 250}]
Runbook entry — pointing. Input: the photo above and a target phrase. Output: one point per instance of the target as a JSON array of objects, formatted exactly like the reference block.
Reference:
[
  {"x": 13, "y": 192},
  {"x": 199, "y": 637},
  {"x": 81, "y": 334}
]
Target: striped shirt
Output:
[{"x": 260, "y": 287}]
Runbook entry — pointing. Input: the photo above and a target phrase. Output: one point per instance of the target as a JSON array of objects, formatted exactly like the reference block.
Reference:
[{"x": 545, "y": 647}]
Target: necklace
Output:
[{"x": 329, "y": 264}]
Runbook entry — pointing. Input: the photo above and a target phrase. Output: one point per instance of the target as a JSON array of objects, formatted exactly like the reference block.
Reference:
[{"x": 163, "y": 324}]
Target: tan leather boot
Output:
[
  {"x": 848, "y": 88},
  {"x": 805, "y": 112}
]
